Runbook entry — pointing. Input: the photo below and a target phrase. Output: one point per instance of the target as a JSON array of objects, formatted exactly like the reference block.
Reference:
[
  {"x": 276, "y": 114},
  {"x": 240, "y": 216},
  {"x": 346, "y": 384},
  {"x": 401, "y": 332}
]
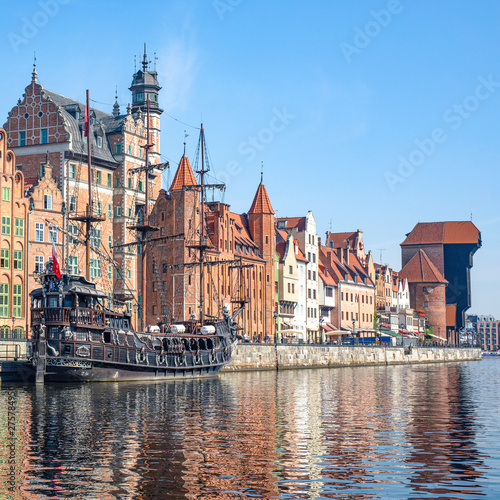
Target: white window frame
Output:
[{"x": 39, "y": 230}]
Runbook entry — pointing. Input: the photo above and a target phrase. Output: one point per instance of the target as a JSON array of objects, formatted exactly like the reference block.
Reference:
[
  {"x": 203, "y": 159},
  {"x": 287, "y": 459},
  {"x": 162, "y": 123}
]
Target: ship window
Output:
[
  {"x": 96, "y": 337},
  {"x": 125, "y": 324},
  {"x": 52, "y": 301},
  {"x": 54, "y": 332},
  {"x": 81, "y": 335}
]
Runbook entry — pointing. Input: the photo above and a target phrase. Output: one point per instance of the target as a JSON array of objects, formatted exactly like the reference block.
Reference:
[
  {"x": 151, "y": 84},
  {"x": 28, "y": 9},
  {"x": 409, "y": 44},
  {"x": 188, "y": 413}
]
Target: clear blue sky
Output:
[{"x": 333, "y": 97}]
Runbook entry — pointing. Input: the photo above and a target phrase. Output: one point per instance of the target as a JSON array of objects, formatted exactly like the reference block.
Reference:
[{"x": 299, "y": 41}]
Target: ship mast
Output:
[
  {"x": 202, "y": 232},
  {"x": 88, "y": 217}
]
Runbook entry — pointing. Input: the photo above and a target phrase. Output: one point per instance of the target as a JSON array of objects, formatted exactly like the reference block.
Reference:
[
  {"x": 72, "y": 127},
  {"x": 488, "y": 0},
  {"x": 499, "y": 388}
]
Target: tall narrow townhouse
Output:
[
  {"x": 304, "y": 231},
  {"x": 288, "y": 286},
  {"x": 14, "y": 208}
]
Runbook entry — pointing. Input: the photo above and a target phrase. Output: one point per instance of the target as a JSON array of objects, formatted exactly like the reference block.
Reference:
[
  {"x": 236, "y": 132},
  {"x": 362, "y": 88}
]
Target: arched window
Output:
[{"x": 19, "y": 332}]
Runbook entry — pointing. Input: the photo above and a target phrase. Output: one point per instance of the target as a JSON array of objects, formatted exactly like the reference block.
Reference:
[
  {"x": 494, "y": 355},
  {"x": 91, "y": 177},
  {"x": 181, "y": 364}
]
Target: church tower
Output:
[
  {"x": 261, "y": 224},
  {"x": 145, "y": 86}
]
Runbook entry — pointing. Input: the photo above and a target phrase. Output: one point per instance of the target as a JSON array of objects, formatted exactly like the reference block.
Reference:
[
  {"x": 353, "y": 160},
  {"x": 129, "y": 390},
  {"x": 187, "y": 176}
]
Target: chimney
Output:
[{"x": 340, "y": 254}]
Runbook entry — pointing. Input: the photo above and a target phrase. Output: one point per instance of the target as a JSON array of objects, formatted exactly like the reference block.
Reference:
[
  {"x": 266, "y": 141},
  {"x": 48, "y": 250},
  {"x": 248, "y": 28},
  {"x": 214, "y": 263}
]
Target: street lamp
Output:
[
  {"x": 353, "y": 330},
  {"x": 275, "y": 326}
]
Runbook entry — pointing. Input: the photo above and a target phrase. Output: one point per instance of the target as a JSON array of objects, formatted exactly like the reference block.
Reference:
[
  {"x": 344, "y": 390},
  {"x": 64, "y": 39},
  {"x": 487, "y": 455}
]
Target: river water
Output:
[{"x": 421, "y": 431}]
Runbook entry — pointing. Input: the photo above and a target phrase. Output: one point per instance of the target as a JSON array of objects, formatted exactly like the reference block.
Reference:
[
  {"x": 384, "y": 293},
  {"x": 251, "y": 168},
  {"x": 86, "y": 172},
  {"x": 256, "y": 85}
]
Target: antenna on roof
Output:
[
  {"x": 381, "y": 250},
  {"x": 471, "y": 216},
  {"x": 155, "y": 59},
  {"x": 331, "y": 225},
  {"x": 261, "y": 171},
  {"x": 135, "y": 64}
]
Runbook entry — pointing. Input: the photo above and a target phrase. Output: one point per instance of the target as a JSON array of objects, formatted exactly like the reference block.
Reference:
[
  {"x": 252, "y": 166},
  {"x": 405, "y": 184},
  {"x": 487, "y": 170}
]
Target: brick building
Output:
[
  {"x": 239, "y": 246},
  {"x": 46, "y": 123},
  {"x": 450, "y": 247},
  {"x": 427, "y": 291},
  {"x": 46, "y": 214},
  {"x": 14, "y": 208}
]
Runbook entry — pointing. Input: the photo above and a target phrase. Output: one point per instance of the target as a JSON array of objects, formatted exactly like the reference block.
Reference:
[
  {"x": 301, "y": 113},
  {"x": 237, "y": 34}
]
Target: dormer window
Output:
[
  {"x": 77, "y": 114},
  {"x": 99, "y": 141}
]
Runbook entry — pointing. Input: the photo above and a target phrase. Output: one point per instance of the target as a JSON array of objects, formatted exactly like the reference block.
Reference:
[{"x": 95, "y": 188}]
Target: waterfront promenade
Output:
[{"x": 249, "y": 357}]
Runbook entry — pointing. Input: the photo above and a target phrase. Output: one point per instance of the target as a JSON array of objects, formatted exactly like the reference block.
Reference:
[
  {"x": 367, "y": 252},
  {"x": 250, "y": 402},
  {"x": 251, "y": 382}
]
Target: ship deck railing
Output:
[{"x": 71, "y": 316}]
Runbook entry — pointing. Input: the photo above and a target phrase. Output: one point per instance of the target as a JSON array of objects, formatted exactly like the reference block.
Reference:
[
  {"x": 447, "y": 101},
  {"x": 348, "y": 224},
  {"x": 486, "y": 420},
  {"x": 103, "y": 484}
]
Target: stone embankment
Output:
[{"x": 249, "y": 357}]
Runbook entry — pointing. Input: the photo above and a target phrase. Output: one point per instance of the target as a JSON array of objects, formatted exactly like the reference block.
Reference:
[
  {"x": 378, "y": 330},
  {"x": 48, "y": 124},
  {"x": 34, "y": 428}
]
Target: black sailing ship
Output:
[{"x": 79, "y": 337}]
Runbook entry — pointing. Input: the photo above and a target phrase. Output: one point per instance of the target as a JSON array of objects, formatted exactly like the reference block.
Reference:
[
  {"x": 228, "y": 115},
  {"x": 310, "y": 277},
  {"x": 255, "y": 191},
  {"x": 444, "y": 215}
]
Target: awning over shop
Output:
[
  {"x": 328, "y": 327},
  {"x": 337, "y": 332},
  {"x": 390, "y": 332}
]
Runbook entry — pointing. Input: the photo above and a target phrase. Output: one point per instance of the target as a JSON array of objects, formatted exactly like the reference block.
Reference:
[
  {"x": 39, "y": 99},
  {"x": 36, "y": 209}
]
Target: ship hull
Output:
[{"x": 111, "y": 372}]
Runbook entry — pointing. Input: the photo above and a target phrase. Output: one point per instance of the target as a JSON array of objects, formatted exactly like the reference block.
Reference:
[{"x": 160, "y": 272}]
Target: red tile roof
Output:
[
  {"x": 184, "y": 175},
  {"x": 30, "y": 181},
  {"x": 298, "y": 252},
  {"x": 261, "y": 203},
  {"x": 280, "y": 250},
  {"x": 449, "y": 232},
  {"x": 291, "y": 222},
  {"x": 420, "y": 269},
  {"x": 340, "y": 239},
  {"x": 283, "y": 234}
]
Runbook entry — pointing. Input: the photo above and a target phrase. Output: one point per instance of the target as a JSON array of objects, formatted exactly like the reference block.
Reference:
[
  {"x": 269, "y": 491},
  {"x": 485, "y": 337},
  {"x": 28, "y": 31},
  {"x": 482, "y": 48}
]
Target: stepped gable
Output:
[
  {"x": 184, "y": 175},
  {"x": 261, "y": 203},
  {"x": 420, "y": 269},
  {"x": 449, "y": 232}
]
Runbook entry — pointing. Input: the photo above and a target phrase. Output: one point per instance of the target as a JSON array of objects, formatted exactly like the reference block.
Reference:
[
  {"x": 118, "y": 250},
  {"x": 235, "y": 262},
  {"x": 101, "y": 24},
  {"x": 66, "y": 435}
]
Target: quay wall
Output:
[{"x": 249, "y": 357}]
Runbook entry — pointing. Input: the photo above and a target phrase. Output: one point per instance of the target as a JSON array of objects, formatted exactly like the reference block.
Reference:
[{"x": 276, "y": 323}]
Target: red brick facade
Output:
[{"x": 238, "y": 245}]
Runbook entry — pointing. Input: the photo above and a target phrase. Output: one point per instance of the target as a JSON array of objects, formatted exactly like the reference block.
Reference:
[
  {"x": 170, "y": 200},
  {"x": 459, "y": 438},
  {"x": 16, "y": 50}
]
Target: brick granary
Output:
[{"x": 240, "y": 254}]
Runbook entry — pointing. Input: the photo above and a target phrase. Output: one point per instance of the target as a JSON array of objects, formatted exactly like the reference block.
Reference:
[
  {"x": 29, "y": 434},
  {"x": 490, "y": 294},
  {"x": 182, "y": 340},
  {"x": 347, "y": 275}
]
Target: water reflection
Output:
[{"x": 380, "y": 432}]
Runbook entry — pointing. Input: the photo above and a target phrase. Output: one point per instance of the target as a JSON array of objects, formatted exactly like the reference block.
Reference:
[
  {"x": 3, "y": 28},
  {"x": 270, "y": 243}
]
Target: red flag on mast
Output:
[
  {"x": 55, "y": 262},
  {"x": 86, "y": 130}
]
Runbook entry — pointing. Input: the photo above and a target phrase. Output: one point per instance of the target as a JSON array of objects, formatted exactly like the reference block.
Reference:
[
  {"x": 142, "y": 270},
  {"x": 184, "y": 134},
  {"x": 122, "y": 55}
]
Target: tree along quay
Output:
[{"x": 249, "y": 357}]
